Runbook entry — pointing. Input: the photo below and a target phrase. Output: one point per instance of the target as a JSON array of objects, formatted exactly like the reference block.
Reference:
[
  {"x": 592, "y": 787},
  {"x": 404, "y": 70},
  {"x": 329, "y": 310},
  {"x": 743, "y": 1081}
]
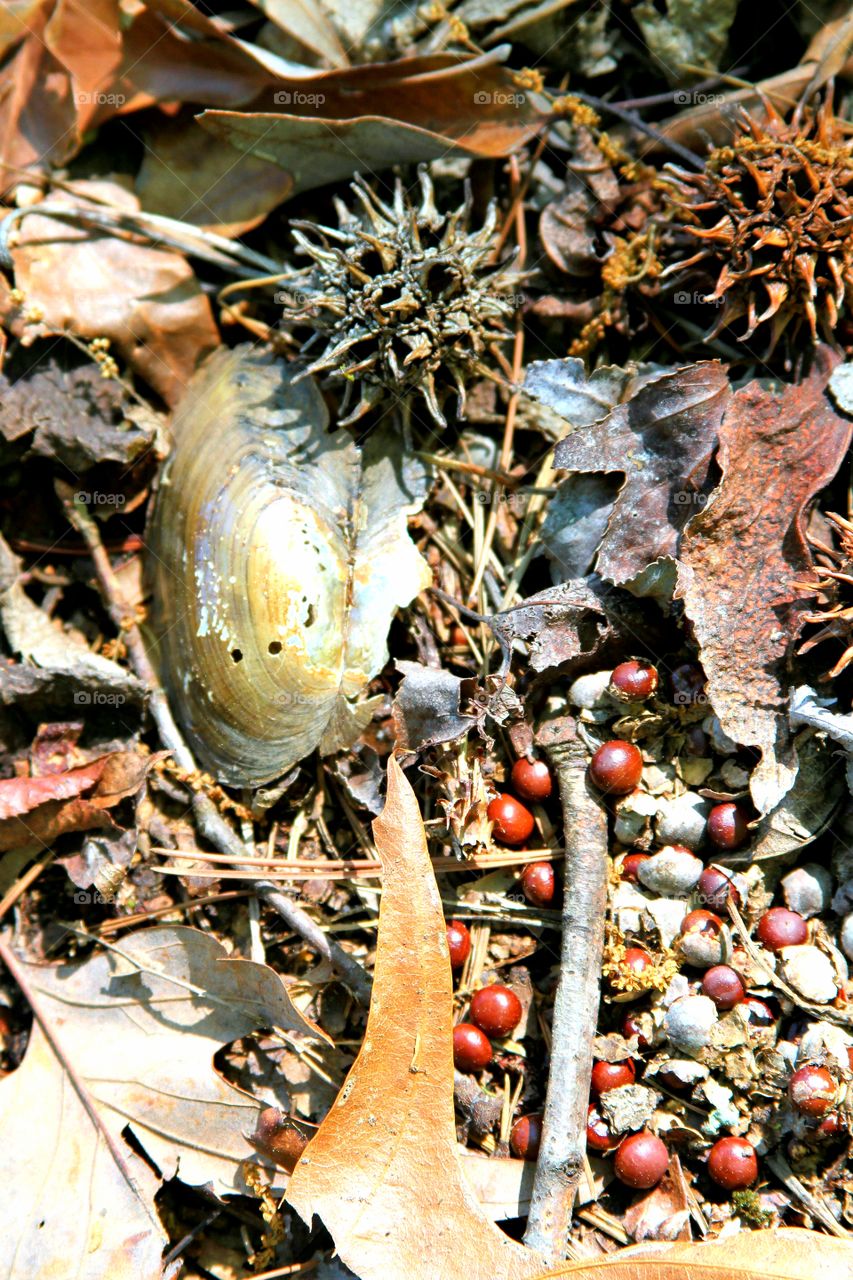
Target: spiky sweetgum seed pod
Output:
[
  {"x": 768, "y": 223},
  {"x": 407, "y": 298}
]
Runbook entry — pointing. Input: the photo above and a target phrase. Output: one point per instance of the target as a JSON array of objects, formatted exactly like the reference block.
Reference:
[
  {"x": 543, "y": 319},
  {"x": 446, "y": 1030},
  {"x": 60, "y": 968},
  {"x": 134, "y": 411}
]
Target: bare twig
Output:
[
  {"x": 211, "y": 823},
  {"x": 563, "y": 1146}
]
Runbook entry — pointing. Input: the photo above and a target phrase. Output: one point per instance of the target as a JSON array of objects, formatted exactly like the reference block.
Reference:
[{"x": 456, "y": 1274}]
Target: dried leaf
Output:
[
  {"x": 787, "y": 1254},
  {"x": 140, "y": 1026},
  {"x": 78, "y": 417},
  {"x": 88, "y": 676},
  {"x": 144, "y": 300},
  {"x": 308, "y": 24},
  {"x": 807, "y": 809},
  {"x": 662, "y": 440},
  {"x": 326, "y": 127},
  {"x": 383, "y": 1172},
  {"x": 575, "y": 623},
  {"x": 426, "y": 707},
  {"x": 187, "y": 174},
  {"x": 53, "y": 804},
  {"x": 73, "y": 1211},
  {"x": 742, "y": 555}
]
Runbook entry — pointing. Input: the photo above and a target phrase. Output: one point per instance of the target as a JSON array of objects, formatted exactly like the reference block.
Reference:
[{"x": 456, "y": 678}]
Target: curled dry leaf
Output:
[
  {"x": 741, "y": 556},
  {"x": 280, "y": 552},
  {"x": 75, "y": 279},
  {"x": 426, "y": 707},
  {"x": 383, "y": 1173},
  {"x": 328, "y": 126},
  {"x": 662, "y": 440},
  {"x": 786, "y": 1254}
]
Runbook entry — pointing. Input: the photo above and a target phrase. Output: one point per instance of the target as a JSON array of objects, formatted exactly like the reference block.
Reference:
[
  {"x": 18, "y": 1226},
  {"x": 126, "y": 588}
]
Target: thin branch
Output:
[
  {"x": 211, "y": 823},
  {"x": 563, "y": 1146}
]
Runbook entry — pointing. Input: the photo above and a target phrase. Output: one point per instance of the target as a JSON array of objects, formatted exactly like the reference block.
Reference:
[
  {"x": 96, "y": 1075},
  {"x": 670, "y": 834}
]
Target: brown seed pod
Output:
[
  {"x": 407, "y": 298},
  {"x": 278, "y": 555},
  {"x": 767, "y": 224}
]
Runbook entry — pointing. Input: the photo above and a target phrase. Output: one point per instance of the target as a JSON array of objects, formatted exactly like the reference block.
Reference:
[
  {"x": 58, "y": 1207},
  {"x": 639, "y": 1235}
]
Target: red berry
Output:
[
  {"x": 724, "y": 986},
  {"x": 688, "y": 684},
  {"x": 641, "y": 1161},
  {"x": 701, "y": 921},
  {"x": 630, "y": 867},
  {"x": 831, "y": 1125},
  {"x": 612, "y": 1075},
  {"x": 780, "y": 928},
  {"x": 758, "y": 1012},
  {"x": 458, "y": 943},
  {"x": 812, "y": 1090},
  {"x": 279, "y": 1137},
  {"x": 471, "y": 1049},
  {"x": 715, "y": 887},
  {"x": 532, "y": 779},
  {"x": 538, "y": 883},
  {"x": 732, "y": 1163},
  {"x": 525, "y": 1137},
  {"x": 616, "y": 767},
  {"x": 511, "y": 822},
  {"x": 496, "y": 1010},
  {"x": 633, "y": 681},
  {"x": 636, "y": 960},
  {"x": 727, "y": 826},
  {"x": 631, "y": 1026},
  {"x": 598, "y": 1136},
  {"x": 458, "y": 638}
]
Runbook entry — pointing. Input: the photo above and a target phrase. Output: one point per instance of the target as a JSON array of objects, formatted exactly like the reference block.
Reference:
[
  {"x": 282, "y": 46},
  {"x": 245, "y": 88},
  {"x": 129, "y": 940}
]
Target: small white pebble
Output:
[
  {"x": 825, "y": 1040},
  {"x": 671, "y": 871},
  {"x": 810, "y": 972},
  {"x": 683, "y": 820},
  {"x": 807, "y": 889},
  {"x": 590, "y": 691},
  {"x": 688, "y": 1023}
]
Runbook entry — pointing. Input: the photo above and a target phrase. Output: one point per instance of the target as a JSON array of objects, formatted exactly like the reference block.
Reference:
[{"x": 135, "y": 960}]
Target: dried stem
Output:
[
  {"x": 210, "y": 822},
  {"x": 563, "y": 1146}
]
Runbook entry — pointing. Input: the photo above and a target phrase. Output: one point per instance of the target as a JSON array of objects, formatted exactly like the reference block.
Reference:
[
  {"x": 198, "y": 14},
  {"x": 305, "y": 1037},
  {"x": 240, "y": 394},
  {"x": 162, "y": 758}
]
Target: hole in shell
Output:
[
  {"x": 310, "y": 616},
  {"x": 274, "y": 646},
  {"x": 236, "y": 655}
]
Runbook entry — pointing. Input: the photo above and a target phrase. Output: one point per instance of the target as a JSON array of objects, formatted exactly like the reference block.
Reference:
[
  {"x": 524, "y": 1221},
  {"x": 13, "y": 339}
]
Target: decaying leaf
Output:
[
  {"x": 809, "y": 708},
  {"x": 329, "y": 126},
  {"x": 75, "y": 416},
  {"x": 571, "y": 625},
  {"x": 73, "y": 1211},
  {"x": 69, "y": 666},
  {"x": 383, "y": 1172},
  {"x": 144, "y": 300},
  {"x": 426, "y": 708},
  {"x": 741, "y": 556},
  {"x": 280, "y": 553},
  {"x": 55, "y": 804},
  {"x": 140, "y": 1026},
  {"x": 662, "y": 440},
  {"x": 807, "y": 809},
  {"x": 786, "y": 1254}
]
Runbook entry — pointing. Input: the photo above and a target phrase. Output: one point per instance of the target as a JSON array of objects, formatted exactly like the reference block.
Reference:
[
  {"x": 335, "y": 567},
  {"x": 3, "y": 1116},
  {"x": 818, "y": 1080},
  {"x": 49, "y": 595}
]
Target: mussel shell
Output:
[{"x": 274, "y": 572}]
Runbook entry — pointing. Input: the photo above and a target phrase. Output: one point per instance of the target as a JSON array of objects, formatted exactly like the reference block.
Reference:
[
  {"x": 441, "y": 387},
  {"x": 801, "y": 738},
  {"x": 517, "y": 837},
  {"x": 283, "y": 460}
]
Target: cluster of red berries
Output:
[
  {"x": 495, "y": 1013},
  {"x": 512, "y": 824}
]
